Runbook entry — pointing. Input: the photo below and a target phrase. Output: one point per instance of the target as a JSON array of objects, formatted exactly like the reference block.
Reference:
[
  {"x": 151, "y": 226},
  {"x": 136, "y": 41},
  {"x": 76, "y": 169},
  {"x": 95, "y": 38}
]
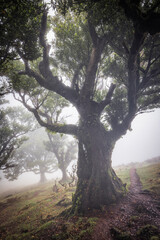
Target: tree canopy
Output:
[
  {"x": 19, "y": 29},
  {"x": 128, "y": 61}
]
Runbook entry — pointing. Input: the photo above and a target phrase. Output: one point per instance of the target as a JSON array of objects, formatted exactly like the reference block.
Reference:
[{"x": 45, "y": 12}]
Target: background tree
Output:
[
  {"x": 14, "y": 124},
  {"x": 64, "y": 150},
  {"x": 106, "y": 64},
  {"x": 32, "y": 157}
]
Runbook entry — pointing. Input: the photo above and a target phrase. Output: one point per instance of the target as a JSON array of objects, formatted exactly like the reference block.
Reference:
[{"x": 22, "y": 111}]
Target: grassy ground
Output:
[
  {"x": 150, "y": 178},
  {"x": 24, "y": 214},
  {"x": 123, "y": 174},
  {"x": 31, "y": 214}
]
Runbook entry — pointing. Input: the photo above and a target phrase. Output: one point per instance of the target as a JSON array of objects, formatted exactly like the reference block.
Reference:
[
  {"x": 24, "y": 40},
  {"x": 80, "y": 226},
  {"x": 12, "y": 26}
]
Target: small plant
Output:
[
  {"x": 132, "y": 221},
  {"x": 119, "y": 235},
  {"x": 147, "y": 232},
  {"x": 55, "y": 187}
]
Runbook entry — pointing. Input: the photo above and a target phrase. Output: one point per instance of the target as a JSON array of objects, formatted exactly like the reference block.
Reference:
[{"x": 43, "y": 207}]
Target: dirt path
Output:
[{"x": 130, "y": 215}]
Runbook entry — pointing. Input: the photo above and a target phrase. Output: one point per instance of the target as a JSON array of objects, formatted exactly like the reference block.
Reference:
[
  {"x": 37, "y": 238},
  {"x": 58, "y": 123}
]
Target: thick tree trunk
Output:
[
  {"x": 65, "y": 177},
  {"x": 98, "y": 184},
  {"x": 43, "y": 178}
]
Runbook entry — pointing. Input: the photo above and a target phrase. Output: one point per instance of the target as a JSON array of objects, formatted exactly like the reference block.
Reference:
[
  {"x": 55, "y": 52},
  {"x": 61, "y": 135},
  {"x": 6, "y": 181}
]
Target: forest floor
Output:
[
  {"x": 136, "y": 216},
  {"x": 36, "y": 214}
]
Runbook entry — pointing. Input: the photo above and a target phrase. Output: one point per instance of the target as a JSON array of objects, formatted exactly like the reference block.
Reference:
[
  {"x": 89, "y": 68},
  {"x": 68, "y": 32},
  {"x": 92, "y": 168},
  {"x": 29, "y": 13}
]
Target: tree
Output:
[
  {"x": 64, "y": 151},
  {"x": 19, "y": 28},
  {"x": 14, "y": 124},
  {"x": 106, "y": 64},
  {"x": 32, "y": 157}
]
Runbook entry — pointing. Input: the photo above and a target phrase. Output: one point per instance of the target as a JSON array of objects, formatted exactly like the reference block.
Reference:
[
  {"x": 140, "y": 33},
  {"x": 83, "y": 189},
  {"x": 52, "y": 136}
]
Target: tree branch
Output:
[
  {"x": 146, "y": 82},
  {"x": 150, "y": 92},
  {"x": 44, "y": 64},
  {"x": 121, "y": 129},
  {"x": 93, "y": 33},
  {"x": 88, "y": 87},
  {"x": 52, "y": 83},
  {"x": 60, "y": 128},
  {"x": 75, "y": 77},
  {"x": 132, "y": 69},
  {"x": 108, "y": 97},
  {"x": 46, "y": 78},
  {"x": 146, "y": 21},
  {"x": 154, "y": 101}
]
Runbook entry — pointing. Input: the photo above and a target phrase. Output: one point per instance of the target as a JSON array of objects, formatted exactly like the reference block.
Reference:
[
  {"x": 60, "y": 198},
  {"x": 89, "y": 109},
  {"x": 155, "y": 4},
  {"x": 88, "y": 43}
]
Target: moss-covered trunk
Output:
[{"x": 98, "y": 184}]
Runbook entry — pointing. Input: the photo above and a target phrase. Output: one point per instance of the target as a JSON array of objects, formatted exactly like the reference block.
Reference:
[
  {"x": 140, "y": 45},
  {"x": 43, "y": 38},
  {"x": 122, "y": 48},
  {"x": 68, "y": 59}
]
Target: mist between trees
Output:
[{"x": 42, "y": 153}]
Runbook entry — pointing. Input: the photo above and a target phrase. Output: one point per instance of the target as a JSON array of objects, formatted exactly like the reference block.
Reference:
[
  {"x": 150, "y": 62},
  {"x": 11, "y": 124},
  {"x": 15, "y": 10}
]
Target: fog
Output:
[
  {"x": 24, "y": 180},
  {"x": 142, "y": 143},
  {"x": 139, "y": 144}
]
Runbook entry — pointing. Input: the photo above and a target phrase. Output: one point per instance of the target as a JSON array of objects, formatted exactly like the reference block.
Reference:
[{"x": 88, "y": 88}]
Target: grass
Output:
[
  {"x": 23, "y": 213},
  {"x": 32, "y": 213},
  {"x": 123, "y": 174},
  {"x": 26, "y": 214},
  {"x": 150, "y": 178}
]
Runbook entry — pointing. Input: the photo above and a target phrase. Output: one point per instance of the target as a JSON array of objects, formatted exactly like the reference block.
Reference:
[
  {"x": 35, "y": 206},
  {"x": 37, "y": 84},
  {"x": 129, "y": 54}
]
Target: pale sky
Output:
[{"x": 142, "y": 143}]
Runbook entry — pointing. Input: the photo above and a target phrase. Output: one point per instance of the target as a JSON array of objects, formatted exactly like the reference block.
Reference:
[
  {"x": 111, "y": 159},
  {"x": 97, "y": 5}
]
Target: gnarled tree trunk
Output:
[{"x": 98, "y": 184}]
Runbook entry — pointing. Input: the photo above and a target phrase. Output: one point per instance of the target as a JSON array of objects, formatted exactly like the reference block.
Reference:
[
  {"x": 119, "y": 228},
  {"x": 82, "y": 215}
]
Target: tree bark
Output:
[
  {"x": 43, "y": 178},
  {"x": 98, "y": 184},
  {"x": 65, "y": 177}
]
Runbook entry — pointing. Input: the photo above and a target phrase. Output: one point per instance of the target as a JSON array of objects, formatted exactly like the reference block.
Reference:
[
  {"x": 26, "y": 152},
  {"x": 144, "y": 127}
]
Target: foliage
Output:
[
  {"x": 71, "y": 35},
  {"x": 79, "y": 31},
  {"x": 19, "y": 29},
  {"x": 15, "y": 123},
  {"x": 46, "y": 104}
]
